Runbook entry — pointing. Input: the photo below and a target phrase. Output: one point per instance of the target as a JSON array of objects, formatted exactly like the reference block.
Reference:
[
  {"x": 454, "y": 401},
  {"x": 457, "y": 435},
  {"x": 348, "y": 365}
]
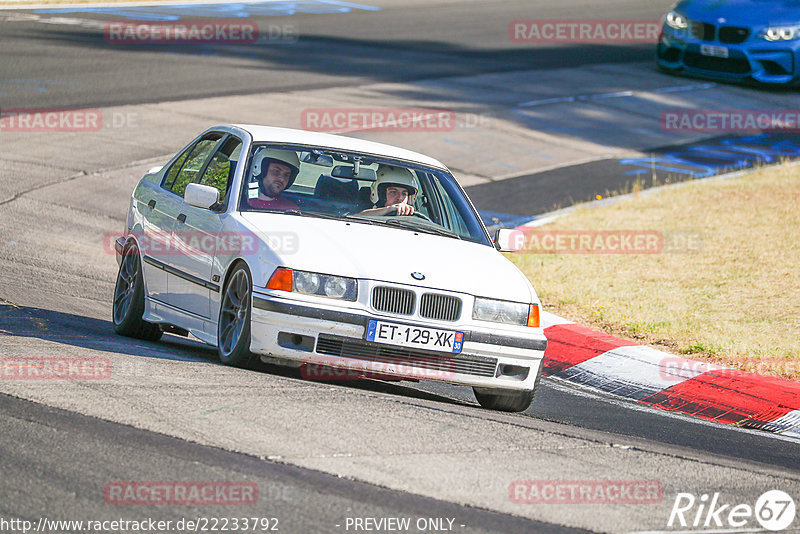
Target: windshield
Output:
[{"x": 361, "y": 188}]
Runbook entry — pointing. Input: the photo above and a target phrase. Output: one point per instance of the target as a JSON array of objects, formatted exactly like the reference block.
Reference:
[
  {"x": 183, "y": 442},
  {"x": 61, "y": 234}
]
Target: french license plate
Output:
[
  {"x": 713, "y": 51},
  {"x": 418, "y": 337}
]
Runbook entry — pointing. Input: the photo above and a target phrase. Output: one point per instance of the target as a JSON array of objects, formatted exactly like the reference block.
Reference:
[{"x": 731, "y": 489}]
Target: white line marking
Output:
[
  {"x": 617, "y": 94},
  {"x": 788, "y": 424},
  {"x": 589, "y": 392},
  {"x": 631, "y": 371},
  {"x": 685, "y": 88},
  {"x": 716, "y": 531}
]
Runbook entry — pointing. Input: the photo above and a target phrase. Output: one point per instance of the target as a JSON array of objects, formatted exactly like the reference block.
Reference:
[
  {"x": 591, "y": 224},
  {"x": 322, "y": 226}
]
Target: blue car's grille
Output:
[
  {"x": 718, "y": 64},
  {"x": 702, "y": 30},
  {"x": 725, "y": 34},
  {"x": 733, "y": 34}
]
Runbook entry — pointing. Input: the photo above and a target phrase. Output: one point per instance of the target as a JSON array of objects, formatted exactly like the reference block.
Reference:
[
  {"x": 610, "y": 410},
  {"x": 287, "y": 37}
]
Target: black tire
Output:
[
  {"x": 504, "y": 401},
  {"x": 233, "y": 324},
  {"x": 128, "y": 306}
]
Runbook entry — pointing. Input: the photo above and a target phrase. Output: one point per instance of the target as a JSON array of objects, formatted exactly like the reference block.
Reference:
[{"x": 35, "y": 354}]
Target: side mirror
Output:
[
  {"x": 507, "y": 240},
  {"x": 201, "y": 196}
]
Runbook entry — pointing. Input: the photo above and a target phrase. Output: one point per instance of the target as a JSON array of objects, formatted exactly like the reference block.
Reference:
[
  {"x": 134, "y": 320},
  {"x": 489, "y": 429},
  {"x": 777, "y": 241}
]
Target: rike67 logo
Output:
[{"x": 774, "y": 510}]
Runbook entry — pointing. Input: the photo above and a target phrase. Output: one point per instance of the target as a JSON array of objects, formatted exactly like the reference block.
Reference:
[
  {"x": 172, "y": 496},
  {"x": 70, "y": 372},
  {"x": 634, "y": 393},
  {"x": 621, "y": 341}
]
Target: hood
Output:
[
  {"x": 388, "y": 254},
  {"x": 748, "y": 13}
]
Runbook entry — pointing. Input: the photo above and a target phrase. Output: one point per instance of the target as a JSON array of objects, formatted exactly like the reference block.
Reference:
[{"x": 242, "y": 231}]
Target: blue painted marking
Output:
[
  {"x": 506, "y": 220},
  {"x": 700, "y": 161},
  {"x": 28, "y": 85},
  {"x": 36, "y": 82},
  {"x": 221, "y": 10}
]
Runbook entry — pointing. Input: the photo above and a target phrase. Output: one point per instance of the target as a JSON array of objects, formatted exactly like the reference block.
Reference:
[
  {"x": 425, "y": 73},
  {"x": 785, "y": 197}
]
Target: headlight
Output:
[
  {"x": 781, "y": 33},
  {"x": 337, "y": 287},
  {"x": 323, "y": 285},
  {"x": 676, "y": 20},
  {"x": 307, "y": 283},
  {"x": 501, "y": 311}
]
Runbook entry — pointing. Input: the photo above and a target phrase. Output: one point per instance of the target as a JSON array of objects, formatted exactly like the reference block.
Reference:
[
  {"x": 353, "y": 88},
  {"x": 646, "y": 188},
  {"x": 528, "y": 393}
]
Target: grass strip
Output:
[{"x": 715, "y": 276}]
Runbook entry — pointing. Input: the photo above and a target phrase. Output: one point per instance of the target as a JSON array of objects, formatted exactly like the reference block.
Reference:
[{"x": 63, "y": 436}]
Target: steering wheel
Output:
[
  {"x": 415, "y": 214},
  {"x": 421, "y": 216}
]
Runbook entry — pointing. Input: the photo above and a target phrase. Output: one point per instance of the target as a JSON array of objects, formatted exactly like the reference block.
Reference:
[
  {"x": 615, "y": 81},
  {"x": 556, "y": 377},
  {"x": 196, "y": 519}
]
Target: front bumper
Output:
[
  {"x": 334, "y": 337},
  {"x": 753, "y": 60}
]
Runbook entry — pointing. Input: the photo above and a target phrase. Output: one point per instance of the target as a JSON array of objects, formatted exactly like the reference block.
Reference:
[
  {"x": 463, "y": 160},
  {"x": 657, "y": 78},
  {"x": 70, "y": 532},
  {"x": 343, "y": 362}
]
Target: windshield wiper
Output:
[
  {"x": 367, "y": 220},
  {"x": 424, "y": 229},
  {"x": 301, "y": 213}
]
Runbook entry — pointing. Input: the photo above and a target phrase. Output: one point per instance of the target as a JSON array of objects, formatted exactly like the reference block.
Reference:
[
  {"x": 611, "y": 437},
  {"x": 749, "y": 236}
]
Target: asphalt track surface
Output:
[
  {"x": 75, "y": 66},
  {"x": 85, "y": 453},
  {"x": 68, "y": 456}
]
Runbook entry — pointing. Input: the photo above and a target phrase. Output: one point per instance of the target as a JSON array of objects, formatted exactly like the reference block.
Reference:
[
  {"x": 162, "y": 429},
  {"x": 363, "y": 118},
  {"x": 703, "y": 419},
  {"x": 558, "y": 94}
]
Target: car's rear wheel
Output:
[
  {"x": 233, "y": 326},
  {"x": 503, "y": 400},
  {"x": 128, "y": 307}
]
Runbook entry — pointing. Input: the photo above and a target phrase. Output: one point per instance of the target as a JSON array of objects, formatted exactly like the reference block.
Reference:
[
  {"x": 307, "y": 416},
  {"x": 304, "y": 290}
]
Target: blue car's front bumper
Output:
[{"x": 699, "y": 51}]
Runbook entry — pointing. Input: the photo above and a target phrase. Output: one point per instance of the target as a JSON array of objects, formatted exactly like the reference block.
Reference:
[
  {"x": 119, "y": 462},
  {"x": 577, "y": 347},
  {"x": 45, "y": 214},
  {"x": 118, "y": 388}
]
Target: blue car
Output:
[{"x": 733, "y": 40}]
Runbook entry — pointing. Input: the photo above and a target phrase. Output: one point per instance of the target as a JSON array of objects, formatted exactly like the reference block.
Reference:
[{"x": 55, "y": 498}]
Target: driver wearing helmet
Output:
[
  {"x": 393, "y": 192},
  {"x": 274, "y": 170}
]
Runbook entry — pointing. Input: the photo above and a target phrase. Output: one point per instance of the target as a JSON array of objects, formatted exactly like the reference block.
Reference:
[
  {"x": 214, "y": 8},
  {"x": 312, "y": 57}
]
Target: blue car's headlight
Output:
[
  {"x": 781, "y": 33},
  {"x": 676, "y": 21}
]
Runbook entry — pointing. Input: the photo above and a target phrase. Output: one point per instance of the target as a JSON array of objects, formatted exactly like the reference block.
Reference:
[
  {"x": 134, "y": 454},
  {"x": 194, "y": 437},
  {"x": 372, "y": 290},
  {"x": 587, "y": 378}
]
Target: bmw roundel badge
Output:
[{"x": 417, "y": 276}]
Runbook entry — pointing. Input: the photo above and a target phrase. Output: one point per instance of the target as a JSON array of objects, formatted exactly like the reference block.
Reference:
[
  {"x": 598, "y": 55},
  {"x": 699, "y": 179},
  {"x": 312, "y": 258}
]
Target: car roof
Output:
[{"x": 292, "y": 136}]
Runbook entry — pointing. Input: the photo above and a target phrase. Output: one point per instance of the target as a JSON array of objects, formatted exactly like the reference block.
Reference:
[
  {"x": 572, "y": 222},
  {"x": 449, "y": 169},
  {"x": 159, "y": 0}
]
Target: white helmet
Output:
[
  {"x": 264, "y": 157},
  {"x": 392, "y": 175}
]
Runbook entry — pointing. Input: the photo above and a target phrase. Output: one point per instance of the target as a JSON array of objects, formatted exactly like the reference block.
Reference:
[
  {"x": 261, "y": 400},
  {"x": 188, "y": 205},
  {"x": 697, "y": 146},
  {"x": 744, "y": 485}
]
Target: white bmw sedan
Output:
[{"x": 328, "y": 253}]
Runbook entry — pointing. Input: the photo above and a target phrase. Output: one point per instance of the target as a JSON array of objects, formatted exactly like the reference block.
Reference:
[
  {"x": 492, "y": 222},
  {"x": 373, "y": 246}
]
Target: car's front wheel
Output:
[
  {"x": 503, "y": 400},
  {"x": 233, "y": 326},
  {"x": 128, "y": 305}
]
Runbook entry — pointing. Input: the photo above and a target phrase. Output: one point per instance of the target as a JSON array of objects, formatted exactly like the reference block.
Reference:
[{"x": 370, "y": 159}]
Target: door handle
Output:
[
  {"x": 181, "y": 218},
  {"x": 152, "y": 203}
]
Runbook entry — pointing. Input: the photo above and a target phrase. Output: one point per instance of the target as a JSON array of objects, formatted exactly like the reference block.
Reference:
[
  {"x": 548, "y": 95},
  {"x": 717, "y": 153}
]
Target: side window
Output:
[
  {"x": 192, "y": 165},
  {"x": 455, "y": 221},
  {"x": 426, "y": 198},
  {"x": 175, "y": 169},
  {"x": 222, "y": 167}
]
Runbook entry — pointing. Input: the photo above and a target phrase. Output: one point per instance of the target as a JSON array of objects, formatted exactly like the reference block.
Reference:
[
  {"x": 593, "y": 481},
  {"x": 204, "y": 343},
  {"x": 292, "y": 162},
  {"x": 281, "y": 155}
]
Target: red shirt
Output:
[{"x": 279, "y": 203}]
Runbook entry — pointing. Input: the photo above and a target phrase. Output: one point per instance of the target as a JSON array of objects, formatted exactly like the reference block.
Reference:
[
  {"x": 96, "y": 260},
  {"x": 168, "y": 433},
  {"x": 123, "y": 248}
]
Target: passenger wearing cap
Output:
[
  {"x": 393, "y": 192},
  {"x": 275, "y": 170}
]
